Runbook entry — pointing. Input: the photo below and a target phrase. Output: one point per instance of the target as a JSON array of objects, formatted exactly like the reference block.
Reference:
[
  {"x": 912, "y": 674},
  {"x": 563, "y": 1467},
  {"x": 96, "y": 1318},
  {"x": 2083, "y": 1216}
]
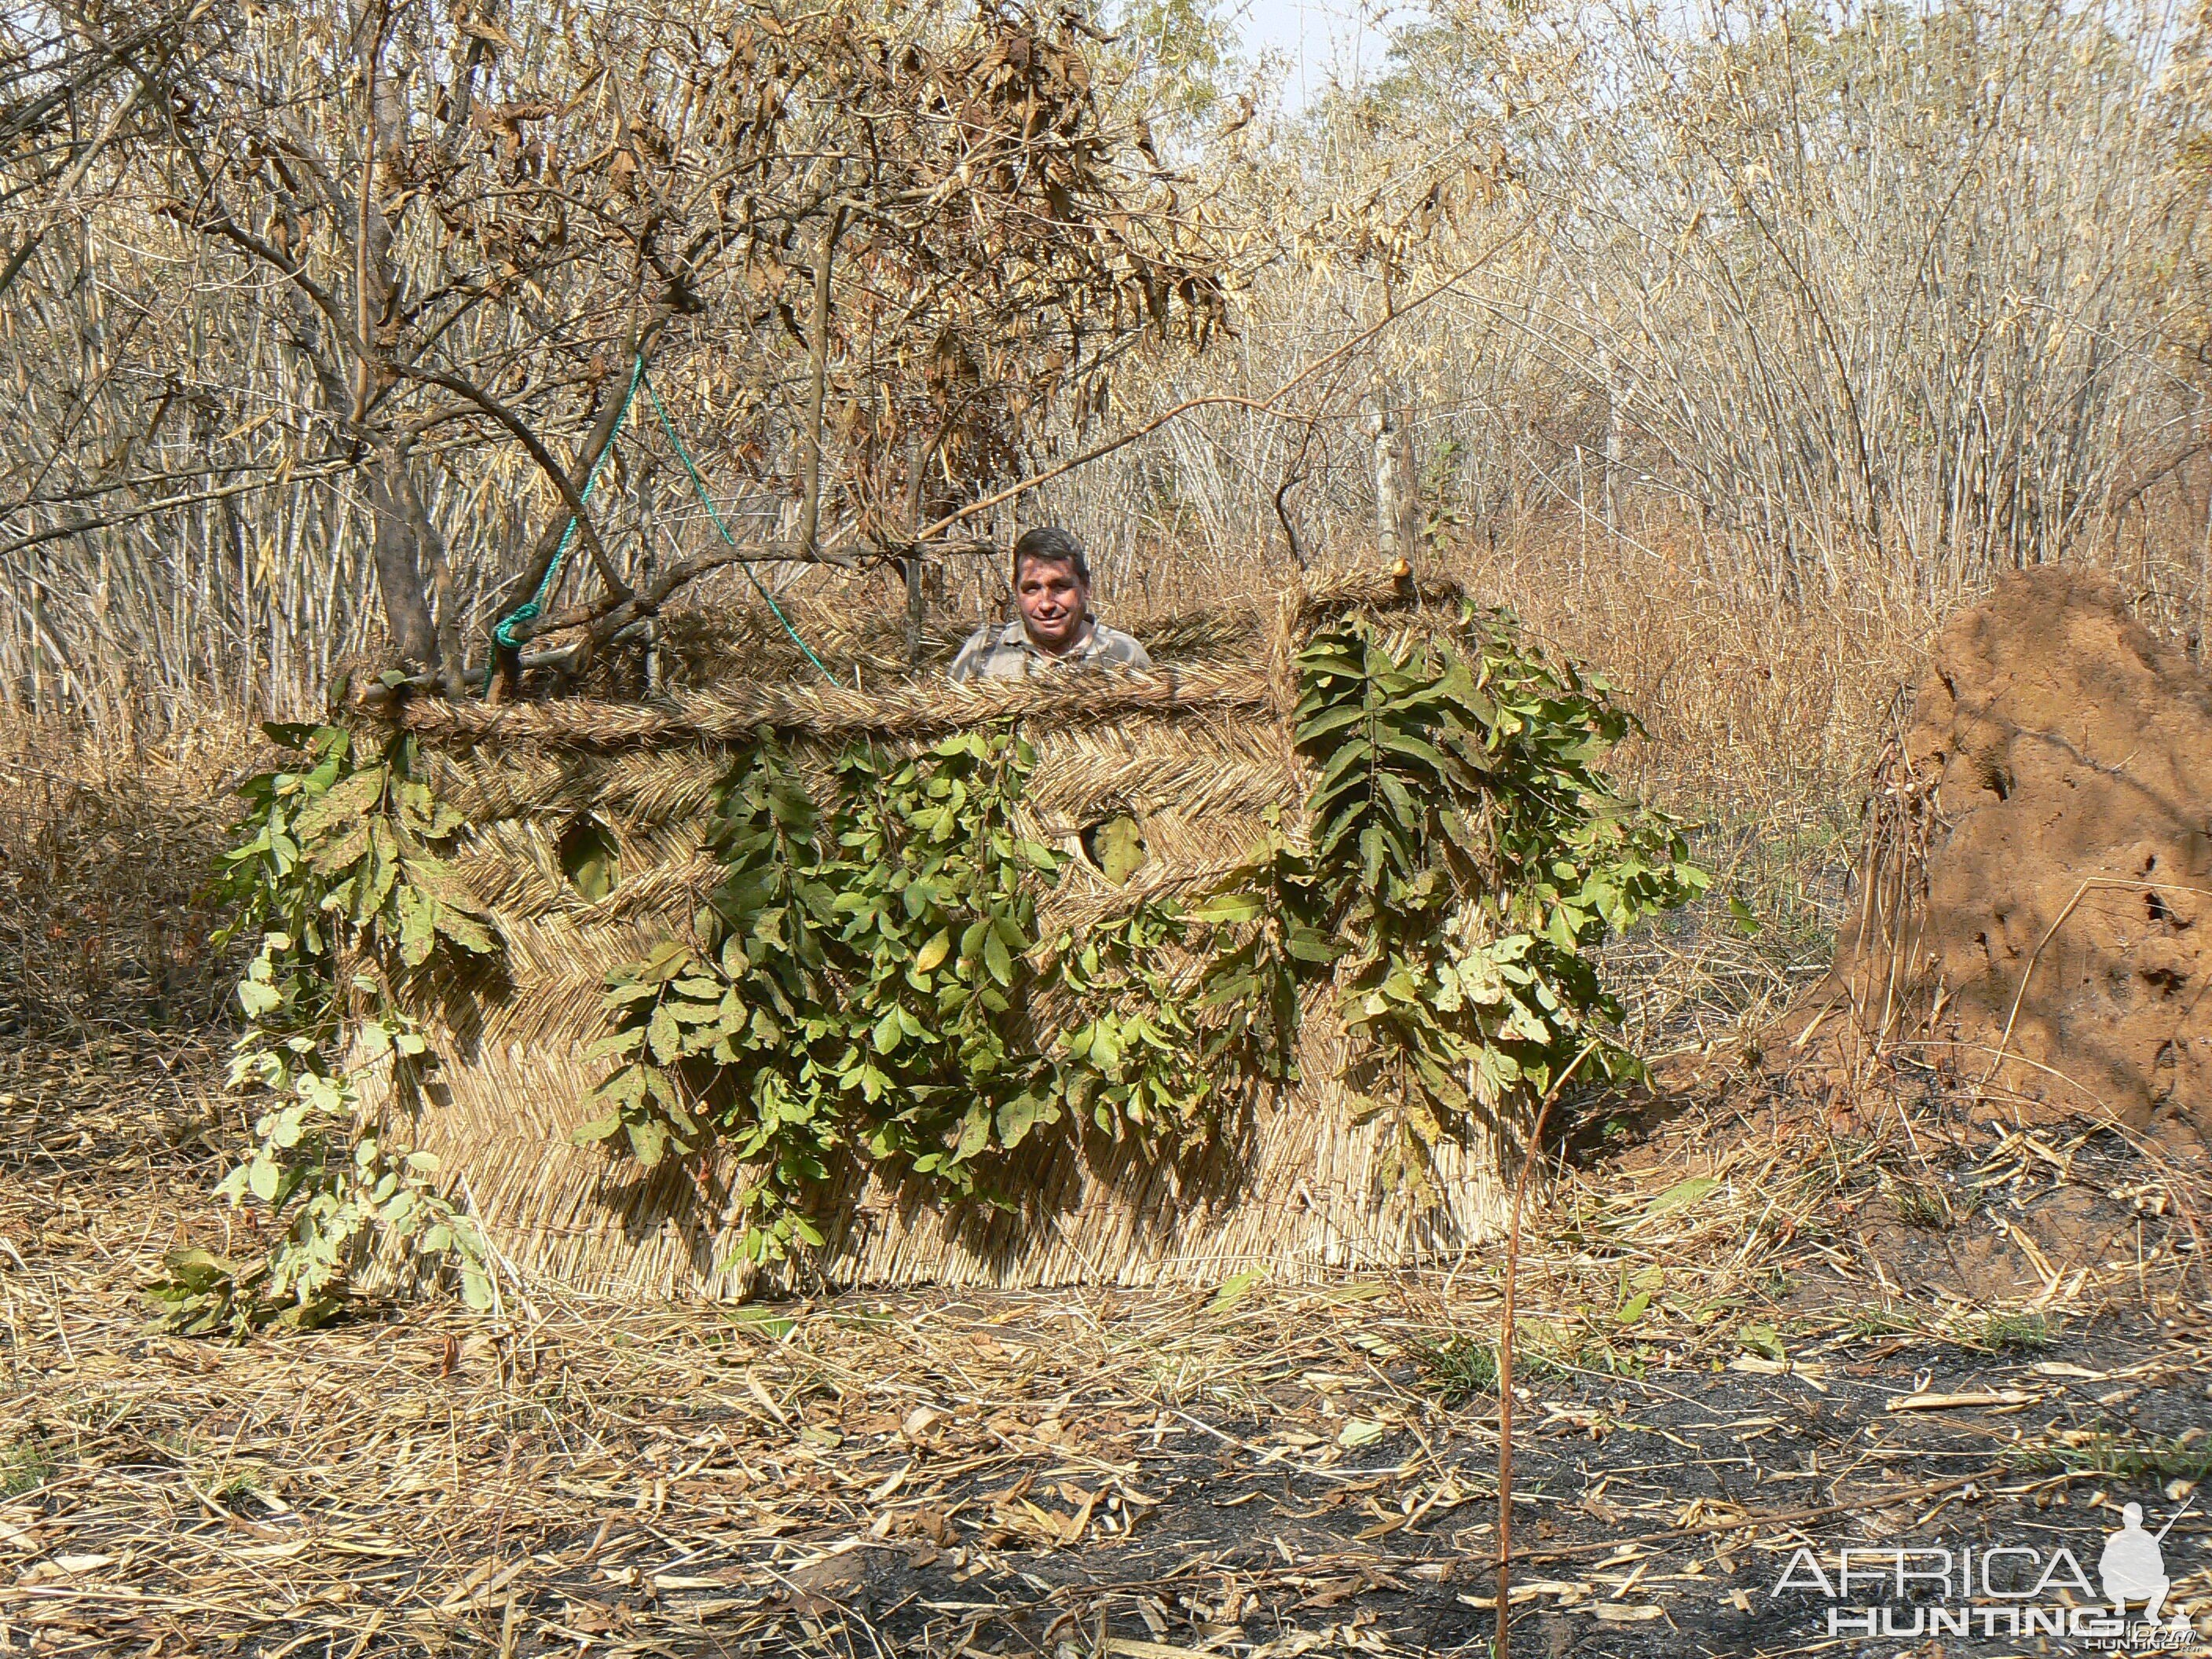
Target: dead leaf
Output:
[{"x": 1937, "y": 1402}]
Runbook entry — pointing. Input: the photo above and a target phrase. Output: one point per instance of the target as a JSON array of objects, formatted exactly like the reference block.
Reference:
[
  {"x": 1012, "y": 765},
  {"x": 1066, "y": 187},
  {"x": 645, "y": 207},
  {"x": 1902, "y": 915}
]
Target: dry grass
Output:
[
  {"x": 1760, "y": 722},
  {"x": 1249, "y": 1470},
  {"x": 105, "y": 847}
]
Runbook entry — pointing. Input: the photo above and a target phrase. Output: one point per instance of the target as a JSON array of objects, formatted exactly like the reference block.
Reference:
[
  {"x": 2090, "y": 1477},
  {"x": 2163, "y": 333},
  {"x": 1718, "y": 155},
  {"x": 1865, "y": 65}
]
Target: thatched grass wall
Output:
[{"x": 1196, "y": 752}]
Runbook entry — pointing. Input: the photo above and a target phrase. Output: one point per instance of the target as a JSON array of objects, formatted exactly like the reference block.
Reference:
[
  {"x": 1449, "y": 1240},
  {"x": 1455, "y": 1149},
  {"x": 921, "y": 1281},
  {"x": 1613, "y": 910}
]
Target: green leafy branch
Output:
[
  {"x": 740, "y": 1010},
  {"x": 339, "y": 877},
  {"x": 1145, "y": 1061},
  {"x": 862, "y": 982},
  {"x": 848, "y": 983},
  {"x": 1466, "y": 846}
]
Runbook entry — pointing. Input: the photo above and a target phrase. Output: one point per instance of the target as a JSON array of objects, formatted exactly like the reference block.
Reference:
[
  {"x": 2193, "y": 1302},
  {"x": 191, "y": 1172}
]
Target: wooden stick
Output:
[{"x": 818, "y": 351}]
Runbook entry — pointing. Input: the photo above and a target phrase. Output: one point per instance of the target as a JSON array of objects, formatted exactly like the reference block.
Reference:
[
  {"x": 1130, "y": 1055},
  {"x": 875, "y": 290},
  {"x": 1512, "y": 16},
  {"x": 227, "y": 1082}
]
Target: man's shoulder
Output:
[
  {"x": 1111, "y": 645},
  {"x": 984, "y": 654}
]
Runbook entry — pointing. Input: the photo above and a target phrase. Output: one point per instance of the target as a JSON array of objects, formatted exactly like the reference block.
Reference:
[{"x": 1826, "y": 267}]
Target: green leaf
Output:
[
  {"x": 670, "y": 960},
  {"x": 648, "y": 1139},
  {"x": 1679, "y": 1196},
  {"x": 418, "y": 927},
  {"x": 1414, "y": 748},
  {"x": 291, "y": 734},
  {"x": 1763, "y": 1339},
  {"x": 589, "y": 855},
  {"x": 346, "y": 801},
  {"x": 199, "y": 1270},
  {"x": 1235, "y": 1288},
  {"x": 346, "y": 849},
  {"x": 1310, "y": 730},
  {"x": 762, "y": 1322},
  {"x": 464, "y": 930},
  {"x": 614, "y": 1045},
  {"x": 662, "y": 1036},
  {"x": 975, "y": 1134},
  {"x": 1229, "y": 907},
  {"x": 626, "y": 1087},
  {"x": 1118, "y": 845},
  {"x": 1018, "y": 1116}
]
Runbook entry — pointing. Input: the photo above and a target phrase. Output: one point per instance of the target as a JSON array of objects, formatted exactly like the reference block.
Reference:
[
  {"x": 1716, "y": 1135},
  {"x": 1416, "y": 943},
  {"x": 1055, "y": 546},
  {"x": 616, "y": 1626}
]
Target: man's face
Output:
[{"x": 1052, "y": 602}]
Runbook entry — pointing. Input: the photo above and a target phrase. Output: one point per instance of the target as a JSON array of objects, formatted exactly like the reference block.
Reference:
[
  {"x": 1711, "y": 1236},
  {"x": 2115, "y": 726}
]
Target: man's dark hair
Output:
[{"x": 1053, "y": 545}]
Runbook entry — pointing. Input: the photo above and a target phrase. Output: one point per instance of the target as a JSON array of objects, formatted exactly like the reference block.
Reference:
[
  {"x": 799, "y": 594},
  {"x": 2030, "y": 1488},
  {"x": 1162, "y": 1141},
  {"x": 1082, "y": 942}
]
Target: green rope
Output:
[
  {"x": 504, "y": 631},
  {"x": 700, "y": 485}
]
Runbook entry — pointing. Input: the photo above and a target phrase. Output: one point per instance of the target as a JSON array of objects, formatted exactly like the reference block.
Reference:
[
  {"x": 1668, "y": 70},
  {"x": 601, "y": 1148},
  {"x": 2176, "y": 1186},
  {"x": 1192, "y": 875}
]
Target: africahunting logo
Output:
[{"x": 2017, "y": 1591}]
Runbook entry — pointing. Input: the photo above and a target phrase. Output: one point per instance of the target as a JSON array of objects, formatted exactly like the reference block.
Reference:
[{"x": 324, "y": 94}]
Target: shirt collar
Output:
[{"x": 1016, "y": 633}]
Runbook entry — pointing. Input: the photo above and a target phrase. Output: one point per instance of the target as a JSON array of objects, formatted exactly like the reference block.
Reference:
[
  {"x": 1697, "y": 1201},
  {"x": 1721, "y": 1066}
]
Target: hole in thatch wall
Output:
[
  {"x": 589, "y": 857},
  {"x": 1114, "y": 847}
]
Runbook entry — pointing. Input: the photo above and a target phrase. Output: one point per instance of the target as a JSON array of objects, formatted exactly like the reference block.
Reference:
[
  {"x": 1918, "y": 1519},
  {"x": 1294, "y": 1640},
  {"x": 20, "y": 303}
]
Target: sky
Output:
[{"x": 1316, "y": 37}]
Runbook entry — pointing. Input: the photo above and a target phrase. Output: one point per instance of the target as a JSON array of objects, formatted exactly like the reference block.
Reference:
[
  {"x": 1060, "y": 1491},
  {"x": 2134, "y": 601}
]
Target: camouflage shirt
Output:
[{"x": 1004, "y": 651}]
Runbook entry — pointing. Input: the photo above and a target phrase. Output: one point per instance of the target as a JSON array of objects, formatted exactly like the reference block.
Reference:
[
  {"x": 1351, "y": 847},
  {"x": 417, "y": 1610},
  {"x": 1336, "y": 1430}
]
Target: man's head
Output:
[
  {"x": 1051, "y": 583},
  {"x": 2130, "y": 1517}
]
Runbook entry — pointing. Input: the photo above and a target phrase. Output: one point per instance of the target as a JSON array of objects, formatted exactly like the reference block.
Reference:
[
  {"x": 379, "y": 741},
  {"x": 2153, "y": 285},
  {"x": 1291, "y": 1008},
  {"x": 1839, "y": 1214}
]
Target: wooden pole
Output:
[{"x": 818, "y": 352}]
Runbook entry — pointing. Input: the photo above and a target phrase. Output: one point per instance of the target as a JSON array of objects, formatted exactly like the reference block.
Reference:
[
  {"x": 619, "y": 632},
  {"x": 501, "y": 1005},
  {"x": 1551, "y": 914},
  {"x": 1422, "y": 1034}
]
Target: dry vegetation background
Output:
[{"x": 1734, "y": 349}]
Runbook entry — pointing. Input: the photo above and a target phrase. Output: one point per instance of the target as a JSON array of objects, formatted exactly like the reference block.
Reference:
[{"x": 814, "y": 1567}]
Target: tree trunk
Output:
[
  {"x": 604, "y": 420},
  {"x": 1397, "y": 488},
  {"x": 431, "y": 552},
  {"x": 398, "y": 563}
]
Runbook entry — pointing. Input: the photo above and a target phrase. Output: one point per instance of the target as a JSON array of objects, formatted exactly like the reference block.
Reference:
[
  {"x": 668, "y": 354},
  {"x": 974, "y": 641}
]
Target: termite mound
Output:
[{"x": 2034, "y": 908}]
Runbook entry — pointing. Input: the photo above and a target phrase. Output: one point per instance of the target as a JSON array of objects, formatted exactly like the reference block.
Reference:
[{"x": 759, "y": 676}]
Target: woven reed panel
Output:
[{"x": 1196, "y": 752}]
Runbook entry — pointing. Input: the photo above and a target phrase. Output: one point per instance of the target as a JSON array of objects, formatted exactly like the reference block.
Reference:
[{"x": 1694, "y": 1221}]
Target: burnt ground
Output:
[{"x": 1762, "y": 1323}]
